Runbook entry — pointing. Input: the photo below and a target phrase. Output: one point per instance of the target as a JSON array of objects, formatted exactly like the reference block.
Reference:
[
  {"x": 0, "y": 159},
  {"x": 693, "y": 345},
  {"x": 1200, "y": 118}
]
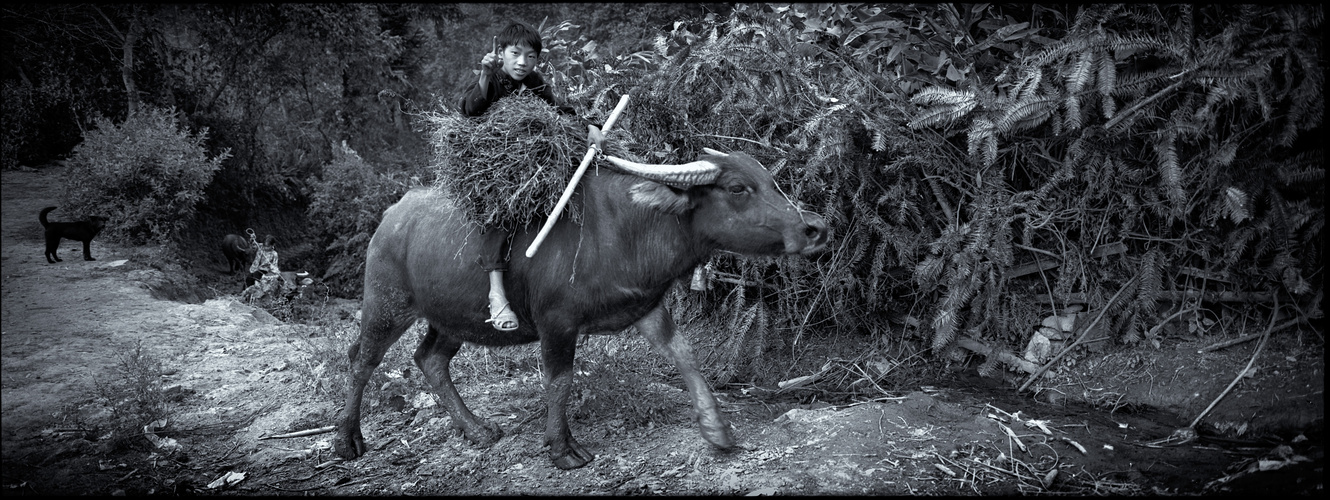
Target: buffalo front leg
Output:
[
  {"x": 365, "y": 355},
  {"x": 557, "y": 353},
  {"x": 658, "y": 328},
  {"x": 433, "y": 357}
]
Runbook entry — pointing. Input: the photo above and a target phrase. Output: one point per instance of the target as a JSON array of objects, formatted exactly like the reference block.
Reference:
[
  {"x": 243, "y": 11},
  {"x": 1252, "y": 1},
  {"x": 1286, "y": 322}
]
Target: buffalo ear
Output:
[{"x": 657, "y": 196}]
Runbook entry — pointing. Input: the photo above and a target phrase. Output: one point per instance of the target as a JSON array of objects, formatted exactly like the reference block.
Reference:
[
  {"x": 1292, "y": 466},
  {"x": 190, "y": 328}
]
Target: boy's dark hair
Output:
[{"x": 518, "y": 33}]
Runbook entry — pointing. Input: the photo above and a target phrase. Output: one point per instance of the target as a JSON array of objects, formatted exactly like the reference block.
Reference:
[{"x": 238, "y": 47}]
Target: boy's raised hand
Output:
[{"x": 491, "y": 61}]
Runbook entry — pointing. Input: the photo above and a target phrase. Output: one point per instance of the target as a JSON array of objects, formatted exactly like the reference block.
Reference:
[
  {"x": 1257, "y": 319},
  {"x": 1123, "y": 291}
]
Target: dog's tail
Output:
[{"x": 42, "y": 215}]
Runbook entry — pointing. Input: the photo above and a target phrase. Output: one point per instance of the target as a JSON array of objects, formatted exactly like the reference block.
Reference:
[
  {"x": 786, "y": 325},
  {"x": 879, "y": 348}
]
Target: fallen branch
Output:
[
  {"x": 1001, "y": 354},
  {"x": 1032, "y": 268},
  {"x": 1173, "y": 296},
  {"x": 1155, "y": 330},
  {"x": 306, "y": 432},
  {"x": 1245, "y": 338},
  {"x": 1040, "y": 266},
  {"x": 1264, "y": 337}
]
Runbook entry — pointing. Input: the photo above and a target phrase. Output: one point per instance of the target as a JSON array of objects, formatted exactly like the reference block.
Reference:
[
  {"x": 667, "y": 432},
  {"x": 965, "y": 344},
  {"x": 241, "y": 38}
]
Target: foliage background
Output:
[{"x": 1164, "y": 151}]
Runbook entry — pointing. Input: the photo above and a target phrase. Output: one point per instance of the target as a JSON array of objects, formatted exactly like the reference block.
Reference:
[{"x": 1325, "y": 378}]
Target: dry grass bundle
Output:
[{"x": 513, "y": 162}]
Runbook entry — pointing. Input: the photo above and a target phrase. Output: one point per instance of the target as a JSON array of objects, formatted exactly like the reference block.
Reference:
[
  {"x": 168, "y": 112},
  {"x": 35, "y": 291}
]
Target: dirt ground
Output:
[{"x": 80, "y": 338}]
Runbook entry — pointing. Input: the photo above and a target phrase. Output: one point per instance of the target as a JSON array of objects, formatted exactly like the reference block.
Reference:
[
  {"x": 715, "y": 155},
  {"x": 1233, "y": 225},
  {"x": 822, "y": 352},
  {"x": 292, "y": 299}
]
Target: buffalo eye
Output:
[{"x": 738, "y": 189}]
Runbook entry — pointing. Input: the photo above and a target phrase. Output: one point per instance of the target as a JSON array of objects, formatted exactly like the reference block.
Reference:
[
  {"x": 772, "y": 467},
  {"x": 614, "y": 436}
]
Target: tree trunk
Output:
[{"x": 127, "y": 67}]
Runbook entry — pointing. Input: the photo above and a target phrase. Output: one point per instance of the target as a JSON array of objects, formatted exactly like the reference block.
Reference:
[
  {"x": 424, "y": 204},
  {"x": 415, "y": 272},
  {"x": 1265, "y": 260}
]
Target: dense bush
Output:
[
  {"x": 952, "y": 149},
  {"x": 146, "y": 174}
]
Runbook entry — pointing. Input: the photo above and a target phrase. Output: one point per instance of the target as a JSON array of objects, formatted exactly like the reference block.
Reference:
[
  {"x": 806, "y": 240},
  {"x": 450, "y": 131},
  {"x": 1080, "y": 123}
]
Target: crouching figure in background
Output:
[{"x": 265, "y": 275}]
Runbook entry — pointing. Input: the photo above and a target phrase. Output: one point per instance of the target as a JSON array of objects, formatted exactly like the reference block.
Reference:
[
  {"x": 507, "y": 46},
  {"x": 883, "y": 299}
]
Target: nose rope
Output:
[{"x": 791, "y": 202}]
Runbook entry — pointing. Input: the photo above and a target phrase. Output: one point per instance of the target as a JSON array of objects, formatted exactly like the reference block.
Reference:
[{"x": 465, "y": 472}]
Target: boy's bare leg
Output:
[{"x": 501, "y": 315}]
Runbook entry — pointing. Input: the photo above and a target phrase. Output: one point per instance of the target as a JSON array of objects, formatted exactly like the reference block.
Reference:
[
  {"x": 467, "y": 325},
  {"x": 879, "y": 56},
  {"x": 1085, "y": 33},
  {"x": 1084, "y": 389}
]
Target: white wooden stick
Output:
[{"x": 572, "y": 182}]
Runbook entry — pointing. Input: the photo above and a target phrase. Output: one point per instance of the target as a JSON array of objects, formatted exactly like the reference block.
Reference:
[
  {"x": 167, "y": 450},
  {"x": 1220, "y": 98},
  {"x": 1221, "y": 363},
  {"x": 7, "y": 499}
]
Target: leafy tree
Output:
[{"x": 146, "y": 174}]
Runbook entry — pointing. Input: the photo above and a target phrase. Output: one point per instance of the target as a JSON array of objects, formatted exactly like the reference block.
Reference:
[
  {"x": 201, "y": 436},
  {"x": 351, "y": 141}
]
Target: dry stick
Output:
[
  {"x": 572, "y": 182},
  {"x": 1121, "y": 115},
  {"x": 1109, "y": 305},
  {"x": 306, "y": 432},
  {"x": 1245, "y": 338},
  {"x": 1161, "y": 324},
  {"x": 1274, "y": 314}
]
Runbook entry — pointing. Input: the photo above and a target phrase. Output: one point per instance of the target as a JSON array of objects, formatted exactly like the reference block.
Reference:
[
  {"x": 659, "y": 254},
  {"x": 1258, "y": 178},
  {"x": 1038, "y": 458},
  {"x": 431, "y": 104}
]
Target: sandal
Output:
[{"x": 505, "y": 320}]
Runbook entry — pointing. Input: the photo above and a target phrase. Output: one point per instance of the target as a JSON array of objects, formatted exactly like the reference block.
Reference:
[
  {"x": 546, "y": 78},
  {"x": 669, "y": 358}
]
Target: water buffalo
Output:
[
  {"x": 639, "y": 233},
  {"x": 238, "y": 252}
]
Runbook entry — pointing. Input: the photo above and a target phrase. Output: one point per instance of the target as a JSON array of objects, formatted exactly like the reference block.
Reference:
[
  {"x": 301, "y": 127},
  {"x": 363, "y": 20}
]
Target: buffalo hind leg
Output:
[
  {"x": 557, "y": 353},
  {"x": 658, "y": 328},
  {"x": 378, "y": 332},
  {"x": 433, "y": 357}
]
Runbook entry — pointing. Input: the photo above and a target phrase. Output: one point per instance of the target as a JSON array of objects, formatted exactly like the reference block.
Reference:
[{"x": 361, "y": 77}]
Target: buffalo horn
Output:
[
  {"x": 680, "y": 176},
  {"x": 714, "y": 152}
]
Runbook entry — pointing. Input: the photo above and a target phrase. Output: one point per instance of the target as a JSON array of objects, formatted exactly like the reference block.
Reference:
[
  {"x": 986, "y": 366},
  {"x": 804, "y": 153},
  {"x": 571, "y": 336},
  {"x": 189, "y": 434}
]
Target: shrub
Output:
[
  {"x": 345, "y": 209},
  {"x": 146, "y": 174},
  {"x": 135, "y": 396}
]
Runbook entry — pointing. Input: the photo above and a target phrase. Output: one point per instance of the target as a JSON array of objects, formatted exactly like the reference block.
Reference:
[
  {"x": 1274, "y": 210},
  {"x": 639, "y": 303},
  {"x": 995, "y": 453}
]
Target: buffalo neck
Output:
[{"x": 634, "y": 241}]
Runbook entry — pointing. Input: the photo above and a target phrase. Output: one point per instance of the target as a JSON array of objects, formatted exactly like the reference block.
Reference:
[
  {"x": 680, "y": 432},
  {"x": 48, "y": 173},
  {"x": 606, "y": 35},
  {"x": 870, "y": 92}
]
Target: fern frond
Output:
[
  {"x": 1170, "y": 171},
  {"x": 944, "y": 328},
  {"x": 928, "y": 271},
  {"x": 1235, "y": 204},
  {"x": 907, "y": 211},
  {"x": 941, "y": 115},
  {"x": 1072, "y": 120},
  {"x": 1224, "y": 155},
  {"x": 1300, "y": 174},
  {"x": 879, "y": 141},
  {"x": 944, "y": 96},
  {"x": 981, "y": 130},
  {"x": 1058, "y": 50},
  {"x": 1078, "y": 148},
  {"x": 1136, "y": 43},
  {"x": 1080, "y": 71},
  {"x": 1032, "y": 112},
  {"x": 1181, "y": 34},
  {"x": 989, "y": 152},
  {"x": 743, "y": 322},
  {"x": 1107, "y": 81},
  {"x": 1151, "y": 282},
  {"x": 1028, "y": 84}
]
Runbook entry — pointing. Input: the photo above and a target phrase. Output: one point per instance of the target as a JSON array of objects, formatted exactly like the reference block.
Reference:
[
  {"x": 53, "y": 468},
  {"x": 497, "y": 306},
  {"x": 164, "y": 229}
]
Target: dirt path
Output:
[{"x": 232, "y": 375}]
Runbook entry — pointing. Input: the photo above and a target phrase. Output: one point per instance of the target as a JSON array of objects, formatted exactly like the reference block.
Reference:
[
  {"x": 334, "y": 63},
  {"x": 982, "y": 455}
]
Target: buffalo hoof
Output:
[
  {"x": 719, "y": 435},
  {"x": 349, "y": 444},
  {"x": 482, "y": 434},
  {"x": 576, "y": 456}
]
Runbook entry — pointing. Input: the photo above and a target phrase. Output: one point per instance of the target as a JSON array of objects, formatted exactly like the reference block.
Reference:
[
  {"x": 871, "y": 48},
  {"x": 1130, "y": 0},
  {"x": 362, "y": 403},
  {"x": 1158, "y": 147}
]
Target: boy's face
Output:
[{"x": 519, "y": 60}]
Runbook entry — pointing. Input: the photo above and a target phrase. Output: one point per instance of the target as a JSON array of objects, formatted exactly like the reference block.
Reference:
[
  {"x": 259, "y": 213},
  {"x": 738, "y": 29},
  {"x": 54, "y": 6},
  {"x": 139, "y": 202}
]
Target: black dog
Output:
[{"x": 84, "y": 230}]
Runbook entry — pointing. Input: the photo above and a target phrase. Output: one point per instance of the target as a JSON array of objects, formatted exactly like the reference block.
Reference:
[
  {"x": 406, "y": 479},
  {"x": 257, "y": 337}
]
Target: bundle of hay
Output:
[{"x": 513, "y": 162}]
